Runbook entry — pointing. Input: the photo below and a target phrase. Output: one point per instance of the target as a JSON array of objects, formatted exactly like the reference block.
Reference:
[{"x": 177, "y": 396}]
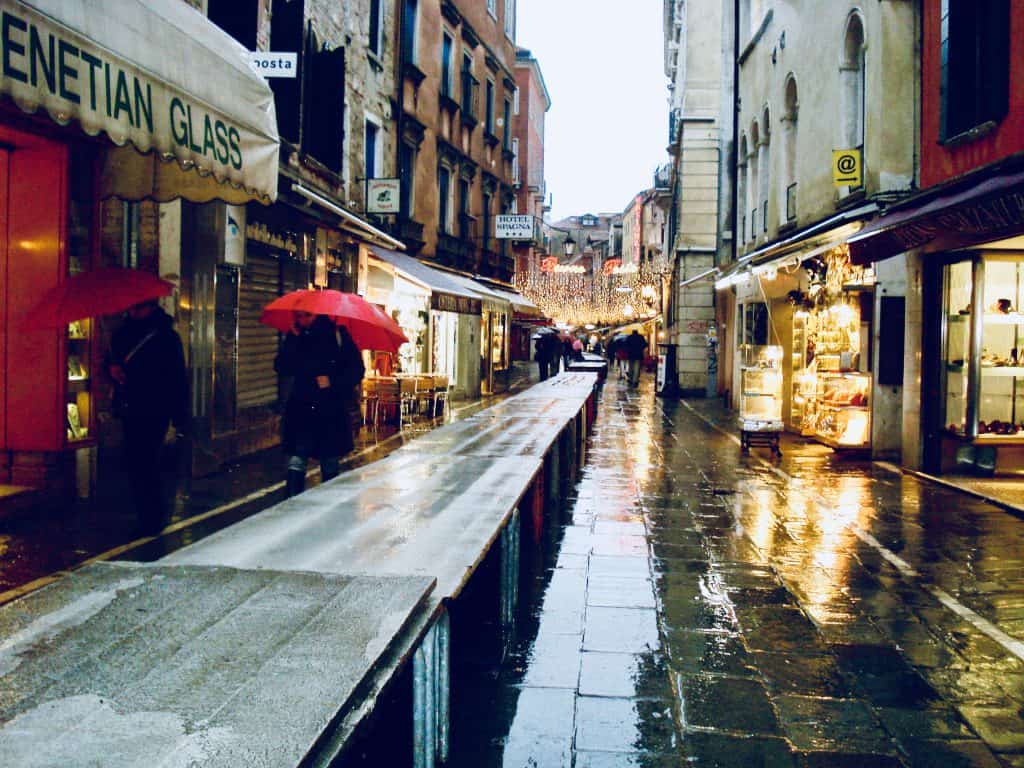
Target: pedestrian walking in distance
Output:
[
  {"x": 566, "y": 353},
  {"x": 325, "y": 367},
  {"x": 636, "y": 348},
  {"x": 544, "y": 354},
  {"x": 147, "y": 365}
]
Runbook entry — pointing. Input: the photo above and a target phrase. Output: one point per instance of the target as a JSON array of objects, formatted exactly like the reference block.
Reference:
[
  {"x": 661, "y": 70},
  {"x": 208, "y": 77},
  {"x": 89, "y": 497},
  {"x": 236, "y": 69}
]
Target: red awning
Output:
[{"x": 966, "y": 214}]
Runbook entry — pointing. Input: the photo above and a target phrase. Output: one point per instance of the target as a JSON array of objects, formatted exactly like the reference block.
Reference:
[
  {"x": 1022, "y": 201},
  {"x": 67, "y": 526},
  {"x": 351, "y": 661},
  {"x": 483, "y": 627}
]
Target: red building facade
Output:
[{"x": 528, "y": 175}]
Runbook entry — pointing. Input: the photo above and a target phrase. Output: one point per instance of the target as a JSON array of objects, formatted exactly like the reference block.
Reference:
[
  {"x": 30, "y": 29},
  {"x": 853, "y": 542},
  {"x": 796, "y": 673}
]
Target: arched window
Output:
[
  {"x": 764, "y": 166},
  {"x": 753, "y": 182},
  {"x": 741, "y": 192},
  {"x": 790, "y": 107},
  {"x": 851, "y": 80}
]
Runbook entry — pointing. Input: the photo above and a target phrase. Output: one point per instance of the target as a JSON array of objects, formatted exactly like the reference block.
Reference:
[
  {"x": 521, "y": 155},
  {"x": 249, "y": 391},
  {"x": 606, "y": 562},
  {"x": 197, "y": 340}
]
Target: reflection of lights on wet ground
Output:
[
  {"x": 830, "y": 547},
  {"x": 761, "y": 529}
]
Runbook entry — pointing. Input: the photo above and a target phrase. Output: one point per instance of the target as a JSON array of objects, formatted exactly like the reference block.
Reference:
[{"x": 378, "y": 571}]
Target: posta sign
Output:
[{"x": 44, "y": 63}]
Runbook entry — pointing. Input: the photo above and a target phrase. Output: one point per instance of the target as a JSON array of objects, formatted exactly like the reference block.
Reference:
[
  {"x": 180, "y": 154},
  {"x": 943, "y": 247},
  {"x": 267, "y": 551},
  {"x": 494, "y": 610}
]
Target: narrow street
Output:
[{"x": 701, "y": 604}]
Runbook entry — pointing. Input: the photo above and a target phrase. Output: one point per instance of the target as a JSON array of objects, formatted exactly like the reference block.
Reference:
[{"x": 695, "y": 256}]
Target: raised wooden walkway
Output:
[{"x": 269, "y": 643}]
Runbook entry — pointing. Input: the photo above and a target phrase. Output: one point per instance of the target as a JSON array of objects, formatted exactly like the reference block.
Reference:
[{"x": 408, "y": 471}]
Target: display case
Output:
[
  {"x": 804, "y": 382},
  {"x": 1001, "y": 404},
  {"x": 983, "y": 370},
  {"x": 79, "y": 351},
  {"x": 761, "y": 396},
  {"x": 844, "y": 410}
]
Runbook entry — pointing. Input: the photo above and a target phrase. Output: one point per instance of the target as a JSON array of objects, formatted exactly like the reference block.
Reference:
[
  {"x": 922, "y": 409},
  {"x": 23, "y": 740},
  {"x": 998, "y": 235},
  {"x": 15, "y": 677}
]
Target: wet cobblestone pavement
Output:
[{"x": 701, "y": 606}]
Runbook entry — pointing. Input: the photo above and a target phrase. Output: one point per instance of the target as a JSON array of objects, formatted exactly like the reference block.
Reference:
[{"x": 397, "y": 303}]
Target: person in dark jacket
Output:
[
  {"x": 636, "y": 348},
  {"x": 544, "y": 354},
  {"x": 566, "y": 353},
  {"x": 324, "y": 375},
  {"x": 147, "y": 366}
]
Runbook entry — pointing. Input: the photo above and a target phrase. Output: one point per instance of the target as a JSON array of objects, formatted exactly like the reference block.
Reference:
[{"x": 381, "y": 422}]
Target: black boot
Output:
[{"x": 296, "y": 483}]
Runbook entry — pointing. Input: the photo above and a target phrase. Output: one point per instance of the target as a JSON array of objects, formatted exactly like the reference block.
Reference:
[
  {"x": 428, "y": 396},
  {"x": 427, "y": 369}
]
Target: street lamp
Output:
[{"x": 570, "y": 247}]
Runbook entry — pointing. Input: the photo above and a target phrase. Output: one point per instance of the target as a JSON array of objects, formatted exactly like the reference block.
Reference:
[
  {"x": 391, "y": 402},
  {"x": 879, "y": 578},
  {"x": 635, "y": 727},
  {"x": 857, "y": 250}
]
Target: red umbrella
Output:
[
  {"x": 101, "y": 292},
  {"x": 369, "y": 326}
]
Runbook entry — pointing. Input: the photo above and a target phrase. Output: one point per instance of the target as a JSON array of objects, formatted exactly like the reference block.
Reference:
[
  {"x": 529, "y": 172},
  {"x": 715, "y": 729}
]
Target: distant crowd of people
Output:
[{"x": 626, "y": 352}]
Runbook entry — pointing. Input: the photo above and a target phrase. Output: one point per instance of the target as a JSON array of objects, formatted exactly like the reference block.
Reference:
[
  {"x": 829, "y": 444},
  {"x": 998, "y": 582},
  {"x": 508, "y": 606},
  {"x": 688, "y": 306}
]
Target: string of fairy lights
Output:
[{"x": 624, "y": 294}]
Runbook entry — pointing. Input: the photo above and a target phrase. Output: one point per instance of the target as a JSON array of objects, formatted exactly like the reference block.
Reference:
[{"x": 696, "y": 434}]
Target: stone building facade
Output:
[
  {"x": 698, "y": 58},
  {"x": 455, "y": 112},
  {"x": 532, "y": 104}
]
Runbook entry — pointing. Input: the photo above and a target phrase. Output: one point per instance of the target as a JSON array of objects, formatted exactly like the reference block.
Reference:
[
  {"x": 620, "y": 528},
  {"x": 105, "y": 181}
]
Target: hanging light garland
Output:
[{"x": 607, "y": 297}]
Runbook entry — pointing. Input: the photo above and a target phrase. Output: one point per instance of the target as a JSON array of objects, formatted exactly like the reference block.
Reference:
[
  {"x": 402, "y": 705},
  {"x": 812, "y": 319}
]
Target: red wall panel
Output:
[
  {"x": 939, "y": 163},
  {"x": 4, "y": 286},
  {"x": 36, "y": 235}
]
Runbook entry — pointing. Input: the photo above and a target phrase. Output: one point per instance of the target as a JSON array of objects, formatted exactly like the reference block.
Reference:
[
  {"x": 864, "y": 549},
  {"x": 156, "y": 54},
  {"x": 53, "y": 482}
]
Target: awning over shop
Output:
[
  {"x": 490, "y": 300},
  {"x": 520, "y": 304},
  {"x": 797, "y": 248},
  {"x": 187, "y": 115},
  {"x": 960, "y": 215},
  {"x": 349, "y": 221},
  {"x": 447, "y": 295}
]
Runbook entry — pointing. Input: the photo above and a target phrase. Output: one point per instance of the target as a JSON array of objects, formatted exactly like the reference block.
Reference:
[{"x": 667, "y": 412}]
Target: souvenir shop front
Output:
[
  {"x": 809, "y": 317},
  {"x": 75, "y": 150},
  {"x": 966, "y": 244}
]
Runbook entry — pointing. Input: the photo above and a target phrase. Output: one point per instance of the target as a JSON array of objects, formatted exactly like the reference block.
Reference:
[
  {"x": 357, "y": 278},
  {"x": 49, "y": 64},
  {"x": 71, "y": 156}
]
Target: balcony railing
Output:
[{"x": 791, "y": 202}]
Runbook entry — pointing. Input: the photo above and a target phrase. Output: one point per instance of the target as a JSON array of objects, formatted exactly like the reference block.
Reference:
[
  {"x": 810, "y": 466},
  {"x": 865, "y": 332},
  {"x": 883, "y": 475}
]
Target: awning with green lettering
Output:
[{"x": 187, "y": 116}]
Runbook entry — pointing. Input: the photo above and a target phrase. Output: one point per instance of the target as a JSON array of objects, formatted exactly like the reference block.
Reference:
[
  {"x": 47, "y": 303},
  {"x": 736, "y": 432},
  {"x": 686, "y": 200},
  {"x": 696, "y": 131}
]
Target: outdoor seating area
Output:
[{"x": 403, "y": 398}]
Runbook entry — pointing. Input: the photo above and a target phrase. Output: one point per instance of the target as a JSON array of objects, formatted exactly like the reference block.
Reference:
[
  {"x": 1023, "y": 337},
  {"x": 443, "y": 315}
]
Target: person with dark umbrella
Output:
[
  {"x": 325, "y": 367},
  {"x": 147, "y": 366}
]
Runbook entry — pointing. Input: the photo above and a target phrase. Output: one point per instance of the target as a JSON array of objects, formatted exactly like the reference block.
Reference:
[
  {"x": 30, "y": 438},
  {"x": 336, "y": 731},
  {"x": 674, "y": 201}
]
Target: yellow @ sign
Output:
[{"x": 847, "y": 169}]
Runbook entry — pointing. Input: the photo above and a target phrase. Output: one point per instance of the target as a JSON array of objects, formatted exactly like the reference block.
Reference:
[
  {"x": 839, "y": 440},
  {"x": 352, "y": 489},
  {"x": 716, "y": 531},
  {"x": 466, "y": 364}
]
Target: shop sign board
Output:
[
  {"x": 274, "y": 64},
  {"x": 382, "y": 195},
  {"x": 234, "y": 235},
  {"x": 48, "y": 65},
  {"x": 513, "y": 227},
  {"x": 847, "y": 168},
  {"x": 449, "y": 302}
]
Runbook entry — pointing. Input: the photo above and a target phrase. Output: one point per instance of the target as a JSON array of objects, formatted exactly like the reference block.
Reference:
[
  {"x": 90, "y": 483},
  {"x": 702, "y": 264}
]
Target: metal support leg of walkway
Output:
[
  {"x": 510, "y": 536},
  {"x": 431, "y": 689}
]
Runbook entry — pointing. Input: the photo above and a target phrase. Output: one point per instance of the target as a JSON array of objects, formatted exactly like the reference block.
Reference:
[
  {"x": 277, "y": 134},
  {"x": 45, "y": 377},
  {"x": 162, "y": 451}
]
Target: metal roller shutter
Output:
[{"x": 257, "y": 343}]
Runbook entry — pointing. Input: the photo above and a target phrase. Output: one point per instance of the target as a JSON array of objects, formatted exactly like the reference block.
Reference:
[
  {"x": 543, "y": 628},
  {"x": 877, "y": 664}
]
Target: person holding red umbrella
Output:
[
  {"x": 325, "y": 366},
  {"x": 147, "y": 366}
]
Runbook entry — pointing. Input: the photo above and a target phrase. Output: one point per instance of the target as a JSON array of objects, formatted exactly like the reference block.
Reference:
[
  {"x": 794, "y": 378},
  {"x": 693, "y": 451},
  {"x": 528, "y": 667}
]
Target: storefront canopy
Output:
[
  {"x": 187, "y": 115},
  {"x": 520, "y": 304},
  {"x": 447, "y": 294},
  {"x": 966, "y": 213}
]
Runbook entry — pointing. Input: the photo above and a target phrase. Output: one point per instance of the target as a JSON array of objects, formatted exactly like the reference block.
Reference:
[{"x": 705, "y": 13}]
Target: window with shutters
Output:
[
  {"x": 446, "y": 65},
  {"x": 323, "y": 111},
  {"x": 286, "y": 34},
  {"x": 237, "y": 18},
  {"x": 410, "y": 23},
  {"x": 975, "y": 64},
  {"x": 376, "y": 20}
]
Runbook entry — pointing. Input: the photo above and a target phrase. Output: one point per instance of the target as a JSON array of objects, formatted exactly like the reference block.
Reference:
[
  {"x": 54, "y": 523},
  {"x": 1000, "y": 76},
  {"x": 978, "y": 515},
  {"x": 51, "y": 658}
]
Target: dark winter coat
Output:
[
  {"x": 155, "y": 392},
  {"x": 636, "y": 346},
  {"x": 547, "y": 347},
  {"x": 316, "y": 421}
]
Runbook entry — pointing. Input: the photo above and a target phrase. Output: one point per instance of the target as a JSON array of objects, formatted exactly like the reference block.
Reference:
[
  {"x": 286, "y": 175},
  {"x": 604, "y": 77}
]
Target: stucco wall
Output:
[{"x": 804, "y": 39}]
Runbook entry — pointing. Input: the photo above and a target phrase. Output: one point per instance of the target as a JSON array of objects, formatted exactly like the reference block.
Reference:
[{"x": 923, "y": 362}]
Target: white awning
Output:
[
  {"x": 447, "y": 294},
  {"x": 519, "y": 303},
  {"x": 174, "y": 93}
]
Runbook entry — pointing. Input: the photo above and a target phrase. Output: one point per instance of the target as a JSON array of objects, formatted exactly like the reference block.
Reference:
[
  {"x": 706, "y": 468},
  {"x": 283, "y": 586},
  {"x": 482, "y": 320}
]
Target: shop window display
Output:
[
  {"x": 984, "y": 365},
  {"x": 831, "y": 382}
]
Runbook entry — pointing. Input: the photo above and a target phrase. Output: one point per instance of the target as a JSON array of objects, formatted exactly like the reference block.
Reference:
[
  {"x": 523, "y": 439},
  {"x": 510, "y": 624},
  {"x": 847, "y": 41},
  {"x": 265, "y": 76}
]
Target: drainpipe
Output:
[
  {"x": 400, "y": 87},
  {"x": 734, "y": 193}
]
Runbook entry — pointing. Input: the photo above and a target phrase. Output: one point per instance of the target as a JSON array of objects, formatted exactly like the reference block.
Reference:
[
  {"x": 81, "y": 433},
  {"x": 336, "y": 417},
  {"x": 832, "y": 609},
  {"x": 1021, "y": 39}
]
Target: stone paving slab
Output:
[
  {"x": 121, "y": 665},
  {"x": 778, "y": 636}
]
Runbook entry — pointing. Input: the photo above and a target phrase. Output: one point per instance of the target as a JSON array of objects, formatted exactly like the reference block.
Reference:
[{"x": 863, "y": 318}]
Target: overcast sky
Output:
[{"x": 608, "y": 125}]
